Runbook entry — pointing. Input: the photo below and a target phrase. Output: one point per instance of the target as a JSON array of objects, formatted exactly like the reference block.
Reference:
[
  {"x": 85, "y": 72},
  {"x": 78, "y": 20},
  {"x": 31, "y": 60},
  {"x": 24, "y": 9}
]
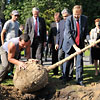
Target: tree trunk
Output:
[{"x": 3, "y": 4}]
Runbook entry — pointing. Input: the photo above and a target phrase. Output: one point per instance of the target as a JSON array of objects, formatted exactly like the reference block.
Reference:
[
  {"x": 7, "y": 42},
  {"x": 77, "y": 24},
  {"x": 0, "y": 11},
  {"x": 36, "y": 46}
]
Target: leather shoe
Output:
[
  {"x": 64, "y": 81},
  {"x": 61, "y": 78},
  {"x": 54, "y": 74},
  {"x": 80, "y": 83},
  {"x": 69, "y": 79}
]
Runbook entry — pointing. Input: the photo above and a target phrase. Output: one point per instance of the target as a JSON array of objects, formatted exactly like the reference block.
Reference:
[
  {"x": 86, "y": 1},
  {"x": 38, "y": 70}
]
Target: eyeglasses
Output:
[{"x": 16, "y": 15}]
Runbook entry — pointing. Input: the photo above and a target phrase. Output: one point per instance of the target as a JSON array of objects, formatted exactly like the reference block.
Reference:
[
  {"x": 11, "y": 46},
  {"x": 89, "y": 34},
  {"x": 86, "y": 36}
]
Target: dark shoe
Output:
[
  {"x": 60, "y": 78},
  {"x": 54, "y": 74},
  {"x": 10, "y": 75},
  {"x": 69, "y": 78},
  {"x": 45, "y": 59},
  {"x": 80, "y": 83},
  {"x": 64, "y": 81}
]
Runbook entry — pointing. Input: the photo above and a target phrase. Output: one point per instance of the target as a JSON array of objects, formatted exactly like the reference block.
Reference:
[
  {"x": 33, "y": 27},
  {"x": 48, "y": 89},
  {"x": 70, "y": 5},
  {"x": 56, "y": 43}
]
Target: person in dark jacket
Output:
[
  {"x": 35, "y": 27},
  {"x": 54, "y": 30},
  {"x": 76, "y": 31}
]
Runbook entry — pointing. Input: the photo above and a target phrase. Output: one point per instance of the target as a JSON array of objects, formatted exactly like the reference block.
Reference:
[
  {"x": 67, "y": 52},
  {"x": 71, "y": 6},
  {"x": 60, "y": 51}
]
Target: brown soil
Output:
[{"x": 50, "y": 92}]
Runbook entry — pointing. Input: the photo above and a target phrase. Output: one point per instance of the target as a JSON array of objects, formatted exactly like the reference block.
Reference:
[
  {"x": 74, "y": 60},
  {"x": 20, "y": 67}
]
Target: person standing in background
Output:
[
  {"x": 2, "y": 21},
  {"x": 21, "y": 29},
  {"x": 11, "y": 27},
  {"x": 95, "y": 51},
  {"x": 60, "y": 37},
  {"x": 54, "y": 30},
  {"x": 35, "y": 27},
  {"x": 46, "y": 49},
  {"x": 76, "y": 31},
  {"x": 9, "y": 31}
]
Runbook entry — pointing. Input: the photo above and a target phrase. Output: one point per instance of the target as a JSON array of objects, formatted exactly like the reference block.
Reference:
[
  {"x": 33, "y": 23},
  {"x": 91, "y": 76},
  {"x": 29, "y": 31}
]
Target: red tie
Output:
[
  {"x": 77, "y": 40},
  {"x": 36, "y": 28}
]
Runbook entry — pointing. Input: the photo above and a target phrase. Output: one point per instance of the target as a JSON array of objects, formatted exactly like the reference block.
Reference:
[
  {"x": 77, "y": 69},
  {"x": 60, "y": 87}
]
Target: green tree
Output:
[
  {"x": 49, "y": 7},
  {"x": 91, "y": 8}
]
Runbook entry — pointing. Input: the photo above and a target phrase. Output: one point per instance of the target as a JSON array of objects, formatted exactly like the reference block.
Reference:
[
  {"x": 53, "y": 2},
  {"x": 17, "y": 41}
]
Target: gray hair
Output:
[
  {"x": 35, "y": 9},
  {"x": 65, "y": 10}
]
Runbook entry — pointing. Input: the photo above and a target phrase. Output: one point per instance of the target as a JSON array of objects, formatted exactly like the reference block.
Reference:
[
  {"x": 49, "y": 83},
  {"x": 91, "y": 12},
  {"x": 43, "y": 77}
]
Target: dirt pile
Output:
[
  {"x": 76, "y": 92},
  {"x": 72, "y": 92}
]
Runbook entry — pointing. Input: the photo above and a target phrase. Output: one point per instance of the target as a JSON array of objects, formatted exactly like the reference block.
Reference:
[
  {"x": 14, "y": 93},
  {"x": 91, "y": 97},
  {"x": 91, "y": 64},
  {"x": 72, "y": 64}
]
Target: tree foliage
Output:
[
  {"x": 49, "y": 7},
  {"x": 2, "y": 8}
]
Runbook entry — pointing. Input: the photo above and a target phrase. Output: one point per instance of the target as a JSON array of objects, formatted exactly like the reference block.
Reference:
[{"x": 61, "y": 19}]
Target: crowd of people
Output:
[{"x": 65, "y": 37}]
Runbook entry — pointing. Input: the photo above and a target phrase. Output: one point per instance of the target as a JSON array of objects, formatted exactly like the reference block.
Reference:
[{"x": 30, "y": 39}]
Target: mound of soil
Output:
[{"x": 71, "y": 92}]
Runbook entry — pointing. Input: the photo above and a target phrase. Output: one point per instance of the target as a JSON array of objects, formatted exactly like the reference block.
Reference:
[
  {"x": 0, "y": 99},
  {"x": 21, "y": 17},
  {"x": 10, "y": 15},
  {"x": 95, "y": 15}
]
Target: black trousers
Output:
[
  {"x": 37, "y": 49},
  {"x": 54, "y": 60}
]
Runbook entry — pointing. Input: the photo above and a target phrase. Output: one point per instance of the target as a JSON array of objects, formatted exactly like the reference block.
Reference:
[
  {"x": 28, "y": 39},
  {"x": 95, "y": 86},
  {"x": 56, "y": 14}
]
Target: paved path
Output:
[
  {"x": 48, "y": 62},
  {"x": 86, "y": 60}
]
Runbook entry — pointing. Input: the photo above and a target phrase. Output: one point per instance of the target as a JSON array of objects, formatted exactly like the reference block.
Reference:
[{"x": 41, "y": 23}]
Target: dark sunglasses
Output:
[{"x": 17, "y": 15}]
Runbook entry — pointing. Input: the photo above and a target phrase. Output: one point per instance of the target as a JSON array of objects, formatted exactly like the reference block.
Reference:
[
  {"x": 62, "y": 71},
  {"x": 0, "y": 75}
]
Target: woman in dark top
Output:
[{"x": 95, "y": 51}]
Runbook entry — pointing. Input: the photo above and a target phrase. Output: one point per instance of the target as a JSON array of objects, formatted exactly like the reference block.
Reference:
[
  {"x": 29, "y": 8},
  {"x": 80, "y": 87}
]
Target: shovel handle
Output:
[{"x": 71, "y": 56}]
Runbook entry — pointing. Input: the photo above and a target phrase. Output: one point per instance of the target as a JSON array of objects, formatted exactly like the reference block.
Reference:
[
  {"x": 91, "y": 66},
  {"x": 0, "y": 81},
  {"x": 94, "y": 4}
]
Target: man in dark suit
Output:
[
  {"x": 60, "y": 36},
  {"x": 36, "y": 28},
  {"x": 54, "y": 30},
  {"x": 75, "y": 33},
  {"x": 2, "y": 21}
]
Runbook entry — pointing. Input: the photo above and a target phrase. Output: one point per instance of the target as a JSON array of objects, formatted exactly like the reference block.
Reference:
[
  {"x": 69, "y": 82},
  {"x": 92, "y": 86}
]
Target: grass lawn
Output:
[{"x": 87, "y": 52}]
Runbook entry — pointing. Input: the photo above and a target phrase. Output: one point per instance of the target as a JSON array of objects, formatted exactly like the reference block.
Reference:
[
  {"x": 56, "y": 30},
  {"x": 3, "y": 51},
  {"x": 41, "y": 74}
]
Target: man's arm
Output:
[
  {"x": 69, "y": 32},
  {"x": 28, "y": 50},
  {"x": 26, "y": 30},
  {"x": 57, "y": 41},
  {"x": 50, "y": 38},
  {"x": 77, "y": 49},
  {"x": 2, "y": 36}
]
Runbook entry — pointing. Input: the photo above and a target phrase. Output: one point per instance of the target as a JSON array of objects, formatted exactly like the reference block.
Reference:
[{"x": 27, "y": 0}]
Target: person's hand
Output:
[
  {"x": 49, "y": 45},
  {"x": 56, "y": 47},
  {"x": 78, "y": 50},
  {"x": 22, "y": 65},
  {"x": 92, "y": 42},
  {"x": 33, "y": 60}
]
